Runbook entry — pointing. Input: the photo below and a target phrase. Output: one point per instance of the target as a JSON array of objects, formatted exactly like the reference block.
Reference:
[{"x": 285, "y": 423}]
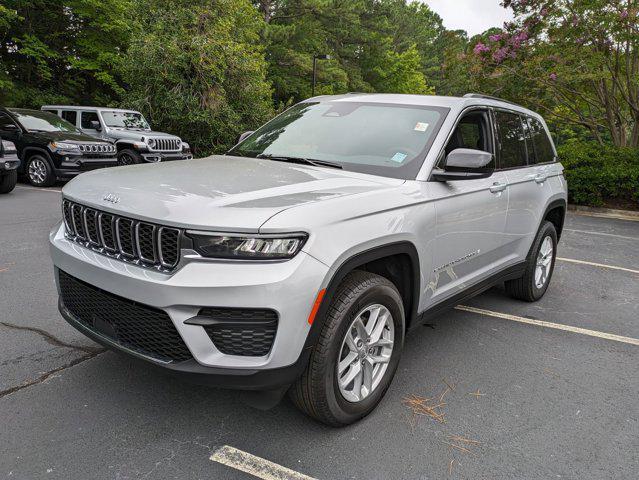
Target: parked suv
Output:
[
  {"x": 9, "y": 163},
  {"x": 128, "y": 129},
  {"x": 51, "y": 148},
  {"x": 299, "y": 260}
]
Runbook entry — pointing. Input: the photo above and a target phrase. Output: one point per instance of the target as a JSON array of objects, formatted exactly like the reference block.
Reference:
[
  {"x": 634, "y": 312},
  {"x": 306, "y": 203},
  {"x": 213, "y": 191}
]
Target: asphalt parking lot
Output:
[{"x": 517, "y": 400}]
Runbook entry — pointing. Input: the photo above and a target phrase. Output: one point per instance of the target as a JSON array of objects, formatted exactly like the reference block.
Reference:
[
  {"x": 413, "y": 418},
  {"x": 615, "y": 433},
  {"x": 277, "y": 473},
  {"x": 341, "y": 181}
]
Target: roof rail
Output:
[{"x": 489, "y": 97}]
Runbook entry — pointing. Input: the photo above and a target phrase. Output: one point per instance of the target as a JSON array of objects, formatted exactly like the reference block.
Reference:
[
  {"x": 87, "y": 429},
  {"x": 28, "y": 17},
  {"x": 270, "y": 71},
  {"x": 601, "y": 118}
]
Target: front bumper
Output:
[
  {"x": 9, "y": 162},
  {"x": 70, "y": 166},
  {"x": 154, "y": 157},
  {"x": 288, "y": 287}
]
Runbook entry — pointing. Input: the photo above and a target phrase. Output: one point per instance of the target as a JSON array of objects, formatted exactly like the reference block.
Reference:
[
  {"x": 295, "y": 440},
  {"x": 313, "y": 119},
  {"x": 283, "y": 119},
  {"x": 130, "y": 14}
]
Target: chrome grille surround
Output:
[
  {"x": 163, "y": 144},
  {"x": 133, "y": 241}
]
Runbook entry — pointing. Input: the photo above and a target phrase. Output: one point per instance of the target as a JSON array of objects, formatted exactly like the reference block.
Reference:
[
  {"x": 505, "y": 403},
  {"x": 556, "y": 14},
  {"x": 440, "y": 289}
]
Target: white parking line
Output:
[
  {"x": 617, "y": 216},
  {"x": 625, "y": 237},
  {"x": 556, "y": 326},
  {"x": 600, "y": 265},
  {"x": 39, "y": 189},
  {"x": 256, "y": 466}
]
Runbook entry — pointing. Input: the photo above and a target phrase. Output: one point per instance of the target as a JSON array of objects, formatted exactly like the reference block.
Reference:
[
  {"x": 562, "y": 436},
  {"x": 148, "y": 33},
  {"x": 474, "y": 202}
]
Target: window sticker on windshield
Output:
[
  {"x": 421, "y": 127},
  {"x": 399, "y": 157}
]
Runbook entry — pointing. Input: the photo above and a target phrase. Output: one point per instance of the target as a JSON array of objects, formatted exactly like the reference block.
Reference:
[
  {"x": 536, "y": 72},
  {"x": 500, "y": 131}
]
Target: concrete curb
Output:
[{"x": 604, "y": 212}]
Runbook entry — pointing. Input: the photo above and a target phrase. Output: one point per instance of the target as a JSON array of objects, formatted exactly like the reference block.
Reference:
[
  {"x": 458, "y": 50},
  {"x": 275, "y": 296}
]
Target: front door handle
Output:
[
  {"x": 540, "y": 178},
  {"x": 498, "y": 187}
]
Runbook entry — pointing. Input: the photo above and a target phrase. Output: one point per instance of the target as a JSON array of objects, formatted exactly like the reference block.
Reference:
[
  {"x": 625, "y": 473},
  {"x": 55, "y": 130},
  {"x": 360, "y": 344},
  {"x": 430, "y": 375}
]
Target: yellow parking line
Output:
[
  {"x": 556, "y": 326},
  {"x": 256, "y": 466},
  {"x": 600, "y": 265}
]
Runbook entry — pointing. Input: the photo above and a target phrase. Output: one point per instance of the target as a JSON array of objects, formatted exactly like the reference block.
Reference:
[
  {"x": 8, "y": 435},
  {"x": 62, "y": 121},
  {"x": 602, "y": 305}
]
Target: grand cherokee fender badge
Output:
[
  {"x": 459, "y": 260},
  {"x": 111, "y": 198}
]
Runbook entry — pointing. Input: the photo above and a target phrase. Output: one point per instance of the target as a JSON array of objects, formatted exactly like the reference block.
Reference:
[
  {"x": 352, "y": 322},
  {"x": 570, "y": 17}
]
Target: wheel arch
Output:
[
  {"x": 27, "y": 152},
  {"x": 398, "y": 262},
  {"x": 555, "y": 213}
]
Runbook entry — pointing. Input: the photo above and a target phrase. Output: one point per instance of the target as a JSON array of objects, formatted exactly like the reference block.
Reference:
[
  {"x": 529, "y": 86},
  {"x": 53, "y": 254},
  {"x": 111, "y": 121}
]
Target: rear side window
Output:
[
  {"x": 70, "y": 116},
  {"x": 87, "y": 118},
  {"x": 544, "y": 152},
  {"x": 512, "y": 143}
]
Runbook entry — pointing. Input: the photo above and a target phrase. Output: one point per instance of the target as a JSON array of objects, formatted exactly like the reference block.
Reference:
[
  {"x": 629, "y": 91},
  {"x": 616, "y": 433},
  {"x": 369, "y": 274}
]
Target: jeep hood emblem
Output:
[{"x": 111, "y": 198}]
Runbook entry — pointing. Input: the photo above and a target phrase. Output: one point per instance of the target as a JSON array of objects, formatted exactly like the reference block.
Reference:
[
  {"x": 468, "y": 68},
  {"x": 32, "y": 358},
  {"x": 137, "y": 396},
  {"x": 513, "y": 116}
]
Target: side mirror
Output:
[
  {"x": 243, "y": 136},
  {"x": 10, "y": 127},
  {"x": 465, "y": 164},
  {"x": 95, "y": 125}
]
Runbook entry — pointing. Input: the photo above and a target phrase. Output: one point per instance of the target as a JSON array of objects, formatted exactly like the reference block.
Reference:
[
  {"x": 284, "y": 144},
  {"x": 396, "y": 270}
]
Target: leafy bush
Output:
[{"x": 601, "y": 174}]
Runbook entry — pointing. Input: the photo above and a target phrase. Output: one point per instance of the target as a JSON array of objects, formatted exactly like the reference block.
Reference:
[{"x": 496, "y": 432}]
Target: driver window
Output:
[{"x": 471, "y": 132}]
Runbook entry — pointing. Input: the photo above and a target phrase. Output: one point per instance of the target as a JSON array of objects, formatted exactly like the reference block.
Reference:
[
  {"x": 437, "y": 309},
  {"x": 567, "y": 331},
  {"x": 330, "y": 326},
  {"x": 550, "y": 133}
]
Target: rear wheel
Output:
[
  {"x": 129, "y": 157},
  {"x": 539, "y": 266},
  {"x": 355, "y": 358},
  {"x": 8, "y": 181},
  {"x": 39, "y": 171}
]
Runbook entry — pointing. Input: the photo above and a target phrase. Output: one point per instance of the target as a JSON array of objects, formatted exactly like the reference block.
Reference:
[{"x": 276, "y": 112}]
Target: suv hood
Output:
[
  {"x": 65, "y": 137},
  {"x": 136, "y": 135},
  {"x": 216, "y": 193}
]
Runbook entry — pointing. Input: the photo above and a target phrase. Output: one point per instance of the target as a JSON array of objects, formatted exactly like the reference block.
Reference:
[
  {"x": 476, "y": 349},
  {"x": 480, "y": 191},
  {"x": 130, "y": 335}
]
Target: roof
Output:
[
  {"x": 457, "y": 103},
  {"x": 79, "y": 107}
]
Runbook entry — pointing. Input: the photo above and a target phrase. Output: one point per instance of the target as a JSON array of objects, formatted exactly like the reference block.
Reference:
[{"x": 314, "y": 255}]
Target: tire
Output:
[
  {"x": 129, "y": 157},
  {"x": 8, "y": 181},
  {"x": 317, "y": 392},
  {"x": 39, "y": 171},
  {"x": 527, "y": 287}
]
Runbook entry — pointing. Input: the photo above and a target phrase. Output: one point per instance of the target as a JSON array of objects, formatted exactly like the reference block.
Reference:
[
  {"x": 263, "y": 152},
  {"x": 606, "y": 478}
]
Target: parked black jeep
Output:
[
  {"x": 51, "y": 148},
  {"x": 9, "y": 163}
]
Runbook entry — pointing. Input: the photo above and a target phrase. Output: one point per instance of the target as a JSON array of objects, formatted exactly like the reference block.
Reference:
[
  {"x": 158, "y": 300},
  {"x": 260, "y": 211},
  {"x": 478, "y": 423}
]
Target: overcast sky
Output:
[{"x": 474, "y": 16}]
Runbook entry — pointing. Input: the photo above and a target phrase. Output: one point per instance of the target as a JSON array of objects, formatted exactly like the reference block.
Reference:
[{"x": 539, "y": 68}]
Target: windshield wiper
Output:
[{"x": 300, "y": 160}]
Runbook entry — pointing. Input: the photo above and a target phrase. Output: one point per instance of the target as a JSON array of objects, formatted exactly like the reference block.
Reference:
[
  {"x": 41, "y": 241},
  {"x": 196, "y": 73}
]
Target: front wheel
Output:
[
  {"x": 8, "y": 181},
  {"x": 39, "y": 171},
  {"x": 354, "y": 361},
  {"x": 129, "y": 157},
  {"x": 539, "y": 266}
]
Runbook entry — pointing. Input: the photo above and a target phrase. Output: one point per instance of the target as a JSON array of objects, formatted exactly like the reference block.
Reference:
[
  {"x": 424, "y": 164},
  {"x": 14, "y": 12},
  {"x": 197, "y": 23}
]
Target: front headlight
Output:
[
  {"x": 8, "y": 147},
  {"x": 69, "y": 147},
  {"x": 150, "y": 142},
  {"x": 247, "y": 247}
]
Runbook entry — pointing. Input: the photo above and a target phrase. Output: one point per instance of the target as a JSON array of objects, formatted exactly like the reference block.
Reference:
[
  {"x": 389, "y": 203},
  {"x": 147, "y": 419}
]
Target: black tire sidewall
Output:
[
  {"x": 346, "y": 411},
  {"x": 547, "y": 230},
  {"x": 137, "y": 158},
  {"x": 8, "y": 181},
  {"x": 49, "y": 180}
]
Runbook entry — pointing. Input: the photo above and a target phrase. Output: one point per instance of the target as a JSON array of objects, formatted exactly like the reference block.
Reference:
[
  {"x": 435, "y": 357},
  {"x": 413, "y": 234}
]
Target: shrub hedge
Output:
[{"x": 601, "y": 175}]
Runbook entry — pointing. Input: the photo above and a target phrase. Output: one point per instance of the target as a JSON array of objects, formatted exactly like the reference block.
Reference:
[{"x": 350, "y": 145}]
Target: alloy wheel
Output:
[
  {"x": 126, "y": 159},
  {"x": 365, "y": 353},
  {"x": 544, "y": 261},
  {"x": 37, "y": 171}
]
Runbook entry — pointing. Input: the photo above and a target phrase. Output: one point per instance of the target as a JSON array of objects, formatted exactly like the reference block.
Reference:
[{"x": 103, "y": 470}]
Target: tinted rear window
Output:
[
  {"x": 542, "y": 147},
  {"x": 70, "y": 116},
  {"x": 512, "y": 152}
]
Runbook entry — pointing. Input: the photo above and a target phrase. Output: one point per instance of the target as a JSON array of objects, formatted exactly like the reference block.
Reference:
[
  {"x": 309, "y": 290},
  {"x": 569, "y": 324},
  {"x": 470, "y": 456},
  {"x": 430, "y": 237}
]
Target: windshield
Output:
[
  {"x": 37, "y": 121},
  {"x": 381, "y": 139},
  {"x": 125, "y": 120}
]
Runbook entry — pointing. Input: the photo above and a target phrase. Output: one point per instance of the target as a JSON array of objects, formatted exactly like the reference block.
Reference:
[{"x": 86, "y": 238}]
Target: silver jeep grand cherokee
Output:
[{"x": 298, "y": 261}]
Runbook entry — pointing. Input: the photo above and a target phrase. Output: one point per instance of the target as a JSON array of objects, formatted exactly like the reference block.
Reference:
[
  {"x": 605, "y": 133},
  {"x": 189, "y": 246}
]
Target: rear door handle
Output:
[{"x": 498, "y": 187}]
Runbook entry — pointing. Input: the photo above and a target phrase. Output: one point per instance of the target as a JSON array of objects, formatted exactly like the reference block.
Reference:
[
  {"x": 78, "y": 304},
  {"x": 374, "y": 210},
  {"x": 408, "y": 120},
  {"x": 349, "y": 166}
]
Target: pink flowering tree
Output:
[{"x": 576, "y": 59}]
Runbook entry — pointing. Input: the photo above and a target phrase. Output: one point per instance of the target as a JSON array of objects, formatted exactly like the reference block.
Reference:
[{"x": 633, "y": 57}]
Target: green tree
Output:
[
  {"x": 66, "y": 51},
  {"x": 576, "y": 60},
  {"x": 197, "y": 69}
]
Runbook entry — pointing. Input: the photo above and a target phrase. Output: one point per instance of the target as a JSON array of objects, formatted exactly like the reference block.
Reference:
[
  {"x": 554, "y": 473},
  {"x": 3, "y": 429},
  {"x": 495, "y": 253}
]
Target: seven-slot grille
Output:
[
  {"x": 143, "y": 243},
  {"x": 171, "y": 144},
  {"x": 97, "y": 148}
]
